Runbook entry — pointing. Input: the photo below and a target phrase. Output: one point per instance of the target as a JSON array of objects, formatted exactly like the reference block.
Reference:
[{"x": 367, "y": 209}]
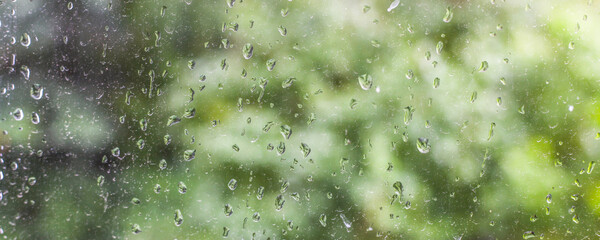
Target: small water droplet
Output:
[
  {"x": 365, "y": 81},
  {"x": 449, "y": 14},
  {"x": 135, "y": 228},
  {"x": 393, "y": 5},
  {"x": 483, "y": 67},
  {"x": 286, "y": 131},
  {"x": 439, "y": 47},
  {"x": 528, "y": 234},
  {"x": 271, "y": 64},
  {"x": 247, "y": 51},
  {"x": 182, "y": 188},
  {"x": 232, "y": 185},
  {"x": 18, "y": 114},
  {"x": 323, "y": 220},
  {"x": 178, "y": 218},
  {"x": 305, "y": 149},
  {"x": 36, "y": 91},
  {"x": 189, "y": 154},
  {"x": 423, "y": 145}
]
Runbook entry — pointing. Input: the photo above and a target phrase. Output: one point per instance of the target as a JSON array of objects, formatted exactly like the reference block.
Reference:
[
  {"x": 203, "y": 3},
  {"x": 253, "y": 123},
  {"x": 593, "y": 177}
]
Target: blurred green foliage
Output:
[{"x": 511, "y": 119}]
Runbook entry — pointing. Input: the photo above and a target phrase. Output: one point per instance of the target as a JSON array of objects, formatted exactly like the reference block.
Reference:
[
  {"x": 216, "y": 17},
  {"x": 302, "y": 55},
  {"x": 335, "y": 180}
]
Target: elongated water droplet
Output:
[
  {"x": 35, "y": 118},
  {"x": 281, "y": 148},
  {"x": 439, "y": 47},
  {"x": 167, "y": 139},
  {"x": 473, "y": 97},
  {"x": 408, "y": 114},
  {"x": 347, "y": 223},
  {"x": 398, "y": 187},
  {"x": 549, "y": 198},
  {"x": 25, "y": 40},
  {"x": 235, "y": 148},
  {"x": 163, "y": 11},
  {"x": 178, "y": 218},
  {"x": 323, "y": 217},
  {"x": 365, "y": 81},
  {"x": 279, "y": 201},
  {"x": 436, "y": 82},
  {"x": 423, "y": 145},
  {"x": 247, "y": 51},
  {"x": 448, "y": 16},
  {"x": 393, "y": 5},
  {"x": 483, "y": 67},
  {"x": 143, "y": 124},
  {"x": 590, "y": 167},
  {"x": 271, "y": 64},
  {"x": 69, "y": 5},
  {"x": 260, "y": 192},
  {"x": 305, "y": 149},
  {"x": 100, "y": 180},
  {"x": 182, "y": 188}
]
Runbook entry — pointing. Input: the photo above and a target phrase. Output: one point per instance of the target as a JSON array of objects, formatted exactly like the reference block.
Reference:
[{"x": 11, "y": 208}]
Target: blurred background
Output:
[{"x": 343, "y": 119}]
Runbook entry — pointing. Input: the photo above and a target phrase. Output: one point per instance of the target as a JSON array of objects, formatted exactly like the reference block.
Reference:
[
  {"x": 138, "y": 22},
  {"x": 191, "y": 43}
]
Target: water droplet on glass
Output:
[
  {"x": 288, "y": 82},
  {"x": 279, "y": 201},
  {"x": 448, "y": 16},
  {"x": 18, "y": 114},
  {"x": 247, "y": 51},
  {"x": 423, "y": 145},
  {"x": 286, "y": 131},
  {"x": 571, "y": 45},
  {"x": 35, "y": 118},
  {"x": 393, "y": 5},
  {"x": 347, "y": 223},
  {"x": 436, "y": 82},
  {"x": 282, "y": 30},
  {"x": 135, "y": 228},
  {"x": 136, "y": 201},
  {"x": 260, "y": 192},
  {"x": 36, "y": 91},
  {"x": 590, "y": 167},
  {"x": 173, "y": 119},
  {"x": 189, "y": 154},
  {"x": 439, "y": 47},
  {"x": 116, "y": 152},
  {"x": 182, "y": 188},
  {"x": 25, "y": 40},
  {"x": 271, "y": 64},
  {"x": 323, "y": 217},
  {"x": 100, "y": 180},
  {"x": 178, "y": 218},
  {"x": 305, "y": 149},
  {"x": 365, "y": 81},
  {"x": 167, "y": 139},
  {"x": 528, "y": 234},
  {"x": 483, "y": 67},
  {"x": 256, "y": 217},
  {"x": 232, "y": 184},
  {"x": 549, "y": 198},
  {"x": 228, "y": 210}
]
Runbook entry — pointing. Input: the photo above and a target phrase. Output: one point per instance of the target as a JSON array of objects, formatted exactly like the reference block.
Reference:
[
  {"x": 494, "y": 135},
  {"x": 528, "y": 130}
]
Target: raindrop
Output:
[
  {"x": 115, "y": 152},
  {"x": 235, "y": 147},
  {"x": 173, "y": 119},
  {"x": 162, "y": 164},
  {"x": 163, "y": 11},
  {"x": 70, "y": 5},
  {"x": 143, "y": 124},
  {"x": 136, "y": 201},
  {"x": 35, "y": 118},
  {"x": 423, "y": 145},
  {"x": 282, "y": 30},
  {"x": 178, "y": 218},
  {"x": 473, "y": 97},
  {"x": 100, "y": 180},
  {"x": 271, "y": 64},
  {"x": 189, "y": 154},
  {"x": 189, "y": 113},
  {"x": 256, "y": 217},
  {"x": 36, "y": 91},
  {"x": 323, "y": 217},
  {"x": 232, "y": 184},
  {"x": 448, "y": 16},
  {"x": 135, "y": 228},
  {"x": 393, "y": 5},
  {"x": 305, "y": 149},
  {"x": 483, "y": 67},
  {"x": 549, "y": 198},
  {"x": 279, "y": 201},
  {"x": 528, "y": 235},
  {"x": 571, "y": 45},
  {"x": 281, "y": 148},
  {"x": 439, "y": 47},
  {"x": 167, "y": 139},
  {"x": 436, "y": 82},
  {"x": 25, "y": 40},
  {"x": 365, "y": 81},
  {"x": 590, "y": 167},
  {"x": 346, "y": 221},
  {"x": 182, "y": 188},
  {"x": 228, "y": 210},
  {"x": 18, "y": 114},
  {"x": 288, "y": 82},
  {"x": 157, "y": 188},
  {"x": 260, "y": 192},
  {"x": 286, "y": 131},
  {"x": 247, "y": 51}
]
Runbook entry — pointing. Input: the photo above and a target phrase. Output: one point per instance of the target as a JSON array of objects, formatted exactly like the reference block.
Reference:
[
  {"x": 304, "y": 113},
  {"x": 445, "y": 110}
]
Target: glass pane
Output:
[{"x": 246, "y": 119}]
